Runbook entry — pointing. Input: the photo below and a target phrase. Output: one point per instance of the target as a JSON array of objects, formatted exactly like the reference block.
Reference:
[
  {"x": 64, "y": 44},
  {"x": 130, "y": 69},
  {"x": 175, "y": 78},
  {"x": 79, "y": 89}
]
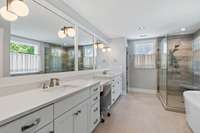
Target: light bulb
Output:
[
  {"x": 183, "y": 29},
  {"x": 71, "y": 32},
  {"x": 108, "y": 49},
  {"x": 101, "y": 45},
  {"x": 19, "y": 8},
  {"x": 61, "y": 34},
  {"x": 103, "y": 50},
  {"x": 95, "y": 46},
  {"x": 9, "y": 16}
]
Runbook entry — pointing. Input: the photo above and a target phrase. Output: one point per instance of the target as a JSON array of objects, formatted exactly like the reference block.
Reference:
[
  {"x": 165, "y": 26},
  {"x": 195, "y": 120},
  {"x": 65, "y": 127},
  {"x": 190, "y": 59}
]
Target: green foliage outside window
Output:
[{"x": 16, "y": 47}]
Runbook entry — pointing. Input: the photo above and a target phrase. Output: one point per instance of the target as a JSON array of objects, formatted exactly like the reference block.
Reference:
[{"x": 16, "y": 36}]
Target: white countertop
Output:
[
  {"x": 108, "y": 75},
  {"x": 20, "y": 104}
]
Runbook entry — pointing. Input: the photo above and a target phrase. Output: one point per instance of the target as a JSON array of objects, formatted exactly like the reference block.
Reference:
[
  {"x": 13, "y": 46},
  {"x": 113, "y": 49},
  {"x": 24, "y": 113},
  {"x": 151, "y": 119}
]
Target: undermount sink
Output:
[
  {"x": 70, "y": 86},
  {"x": 54, "y": 88}
]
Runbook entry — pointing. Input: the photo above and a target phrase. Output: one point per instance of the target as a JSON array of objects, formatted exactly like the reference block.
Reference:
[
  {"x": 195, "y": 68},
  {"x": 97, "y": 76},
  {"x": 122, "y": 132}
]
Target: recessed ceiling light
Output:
[
  {"x": 183, "y": 29},
  {"x": 141, "y": 28}
]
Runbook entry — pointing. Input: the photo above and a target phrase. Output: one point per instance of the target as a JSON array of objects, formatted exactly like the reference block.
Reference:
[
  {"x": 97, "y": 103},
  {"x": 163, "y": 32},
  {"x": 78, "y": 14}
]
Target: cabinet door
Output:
[
  {"x": 47, "y": 129},
  {"x": 81, "y": 119},
  {"x": 65, "y": 123}
]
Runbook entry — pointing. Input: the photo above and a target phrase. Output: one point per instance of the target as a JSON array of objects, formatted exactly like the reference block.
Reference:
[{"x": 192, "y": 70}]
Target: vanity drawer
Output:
[
  {"x": 95, "y": 116},
  {"x": 68, "y": 103},
  {"x": 94, "y": 99},
  {"x": 95, "y": 89},
  {"x": 46, "y": 129},
  {"x": 30, "y": 123}
]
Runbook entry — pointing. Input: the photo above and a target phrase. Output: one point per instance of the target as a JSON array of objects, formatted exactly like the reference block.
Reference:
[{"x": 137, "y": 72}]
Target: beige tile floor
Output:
[{"x": 142, "y": 113}]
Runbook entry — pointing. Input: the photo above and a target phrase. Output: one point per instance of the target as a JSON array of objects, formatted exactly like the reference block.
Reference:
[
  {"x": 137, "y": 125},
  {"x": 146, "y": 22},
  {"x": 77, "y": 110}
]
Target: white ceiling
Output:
[{"x": 121, "y": 18}]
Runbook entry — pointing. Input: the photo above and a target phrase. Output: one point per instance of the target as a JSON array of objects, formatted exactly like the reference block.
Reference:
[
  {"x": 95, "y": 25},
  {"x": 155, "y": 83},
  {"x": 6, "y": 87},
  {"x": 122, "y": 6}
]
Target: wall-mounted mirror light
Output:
[
  {"x": 106, "y": 49},
  {"x": 66, "y": 31},
  {"x": 13, "y": 9},
  {"x": 109, "y": 49},
  {"x": 99, "y": 45}
]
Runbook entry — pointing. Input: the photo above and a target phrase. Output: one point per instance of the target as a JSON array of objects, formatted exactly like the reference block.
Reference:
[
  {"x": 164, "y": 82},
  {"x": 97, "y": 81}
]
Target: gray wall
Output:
[
  {"x": 140, "y": 78},
  {"x": 116, "y": 59},
  {"x": 4, "y": 47}
]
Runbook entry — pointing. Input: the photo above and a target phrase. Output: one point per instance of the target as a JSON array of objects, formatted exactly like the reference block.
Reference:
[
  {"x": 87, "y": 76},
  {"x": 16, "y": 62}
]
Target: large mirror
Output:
[
  {"x": 39, "y": 43},
  {"x": 44, "y": 42},
  {"x": 85, "y": 50}
]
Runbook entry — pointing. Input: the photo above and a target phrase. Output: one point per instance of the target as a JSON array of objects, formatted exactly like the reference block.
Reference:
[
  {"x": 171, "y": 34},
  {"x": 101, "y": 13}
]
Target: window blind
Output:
[{"x": 145, "y": 54}]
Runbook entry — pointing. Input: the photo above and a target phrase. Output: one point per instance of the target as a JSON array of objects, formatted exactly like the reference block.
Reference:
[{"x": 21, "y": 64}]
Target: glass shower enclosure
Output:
[{"x": 178, "y": 68}]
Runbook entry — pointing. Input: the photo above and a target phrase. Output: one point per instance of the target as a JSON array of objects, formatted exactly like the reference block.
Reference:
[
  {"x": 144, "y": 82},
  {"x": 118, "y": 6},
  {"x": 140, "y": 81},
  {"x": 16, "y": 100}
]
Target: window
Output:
[
  {"x": 59, "y": 59},
  {"x": 144, "y": 54},
  {"x": 85, "y": 50},
  {"x": 24, "y": 58},
  {"x": 85, "y": 57}
]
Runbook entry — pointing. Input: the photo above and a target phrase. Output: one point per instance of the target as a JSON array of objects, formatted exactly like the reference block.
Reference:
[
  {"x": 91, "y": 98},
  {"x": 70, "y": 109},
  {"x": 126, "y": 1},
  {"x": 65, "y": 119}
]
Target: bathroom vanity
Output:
[{"x": 71, "y": 109}]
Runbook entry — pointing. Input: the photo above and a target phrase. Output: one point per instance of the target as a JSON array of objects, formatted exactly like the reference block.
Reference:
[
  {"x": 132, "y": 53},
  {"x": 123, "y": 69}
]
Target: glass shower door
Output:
[
  {"x": 162, "y": 69},
  {"x": 179, "y": 69}
]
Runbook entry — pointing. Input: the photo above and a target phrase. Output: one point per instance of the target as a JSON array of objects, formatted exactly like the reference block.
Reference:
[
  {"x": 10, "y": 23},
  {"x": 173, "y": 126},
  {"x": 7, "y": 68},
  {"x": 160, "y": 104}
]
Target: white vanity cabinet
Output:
[
  {"x": 116, "y": 88},
  {"x": 30, "y": 123},
  {"x": 77, "y": 113},
  {"x": 47, "y": 129},
  {"x": 73, "y": 121},
  {"x": 94, "y": 108}
]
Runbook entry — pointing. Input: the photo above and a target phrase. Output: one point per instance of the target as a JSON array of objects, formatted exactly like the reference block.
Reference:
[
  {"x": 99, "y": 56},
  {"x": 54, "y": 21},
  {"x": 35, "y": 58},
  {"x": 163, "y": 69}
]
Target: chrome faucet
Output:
[
  {"x": 52, "y": 83},
  {"x": 45, "y": 85}
]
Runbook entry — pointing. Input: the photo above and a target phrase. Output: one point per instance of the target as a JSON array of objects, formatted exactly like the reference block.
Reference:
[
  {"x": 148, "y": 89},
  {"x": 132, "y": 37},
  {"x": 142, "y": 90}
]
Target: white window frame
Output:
[
  {"x": 25, "y": 66},
  {"x": 145, "y": 60}
]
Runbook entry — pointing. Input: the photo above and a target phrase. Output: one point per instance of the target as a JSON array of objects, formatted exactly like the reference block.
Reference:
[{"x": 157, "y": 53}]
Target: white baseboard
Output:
[{"x": 142, "y": 90}]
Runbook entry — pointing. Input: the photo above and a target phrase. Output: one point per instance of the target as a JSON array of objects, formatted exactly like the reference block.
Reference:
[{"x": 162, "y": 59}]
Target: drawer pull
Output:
[
  {"x": 77, "y": 113},
  {"x": 96, "y": 98},
  {"x": 96, "y": 109},
  {"x": 95, "y": 122},
  {"x": 95, "y": 89},
  {"x": 26, "y": 127}
]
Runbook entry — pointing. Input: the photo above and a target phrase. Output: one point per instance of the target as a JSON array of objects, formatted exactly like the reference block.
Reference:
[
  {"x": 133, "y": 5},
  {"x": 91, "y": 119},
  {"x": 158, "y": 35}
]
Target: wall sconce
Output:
[
  {"x": 95, "y": 46},
  {"x": 106, "y": 49},
  {"x": 66, "y": 31},
  {"x": 13, "y": 9},
  {"x": 99, "y": 45},
  {"x": 109, "y": 49}
]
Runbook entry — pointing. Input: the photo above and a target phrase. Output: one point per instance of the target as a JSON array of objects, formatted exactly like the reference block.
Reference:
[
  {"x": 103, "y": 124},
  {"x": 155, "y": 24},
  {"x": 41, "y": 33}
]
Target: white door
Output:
[
  {"x": 65, "y": 123},
  {"x": 81, "y": 119}
]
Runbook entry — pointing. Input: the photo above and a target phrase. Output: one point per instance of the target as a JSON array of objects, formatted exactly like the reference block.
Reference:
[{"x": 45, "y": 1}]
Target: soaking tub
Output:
[{"x": 192, "y": 106}]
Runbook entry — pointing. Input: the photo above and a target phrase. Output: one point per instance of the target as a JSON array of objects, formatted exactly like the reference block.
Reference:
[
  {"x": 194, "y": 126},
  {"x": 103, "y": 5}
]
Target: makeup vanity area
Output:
[{"x": 73, "y": 107}]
